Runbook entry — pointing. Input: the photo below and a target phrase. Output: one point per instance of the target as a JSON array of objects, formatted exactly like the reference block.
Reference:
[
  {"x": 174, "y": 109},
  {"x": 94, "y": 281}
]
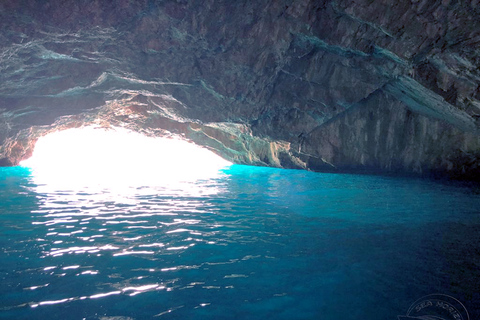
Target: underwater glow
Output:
[{"x": 117, "y": 158}]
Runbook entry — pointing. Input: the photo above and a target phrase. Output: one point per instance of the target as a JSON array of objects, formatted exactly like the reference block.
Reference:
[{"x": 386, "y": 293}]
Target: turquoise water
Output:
[{"x": 253, "y": 243}]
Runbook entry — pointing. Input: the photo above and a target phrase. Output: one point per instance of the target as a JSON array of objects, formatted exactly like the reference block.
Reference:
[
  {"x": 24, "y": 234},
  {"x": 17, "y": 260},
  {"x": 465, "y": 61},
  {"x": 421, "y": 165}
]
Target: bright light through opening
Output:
[{"x": 119, "y": 157}]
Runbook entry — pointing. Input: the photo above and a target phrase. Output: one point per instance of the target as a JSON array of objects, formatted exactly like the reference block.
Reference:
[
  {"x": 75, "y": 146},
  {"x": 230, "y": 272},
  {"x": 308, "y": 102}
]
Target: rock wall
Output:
[
  {"x": 382, "y": 134},
  {"x": 361, "y": 84}
]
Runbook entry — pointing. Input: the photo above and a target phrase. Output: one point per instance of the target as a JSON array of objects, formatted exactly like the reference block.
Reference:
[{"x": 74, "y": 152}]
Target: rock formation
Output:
[{"x": 343, "y": 85}]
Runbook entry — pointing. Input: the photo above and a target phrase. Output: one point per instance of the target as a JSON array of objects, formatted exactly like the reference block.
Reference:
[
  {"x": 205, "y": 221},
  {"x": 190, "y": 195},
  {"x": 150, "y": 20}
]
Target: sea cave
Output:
[{"x": 218, "y": 159}]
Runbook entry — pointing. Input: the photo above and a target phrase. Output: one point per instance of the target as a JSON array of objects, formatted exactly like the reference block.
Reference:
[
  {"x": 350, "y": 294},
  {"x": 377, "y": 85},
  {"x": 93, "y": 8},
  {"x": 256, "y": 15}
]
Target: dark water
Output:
[{"x": 254, "y": 243}]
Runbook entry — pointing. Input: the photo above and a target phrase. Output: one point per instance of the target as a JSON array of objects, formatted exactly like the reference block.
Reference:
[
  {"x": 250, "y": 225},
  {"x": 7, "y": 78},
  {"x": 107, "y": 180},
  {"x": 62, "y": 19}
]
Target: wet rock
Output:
[
  {"x": 322, "y": 85},
  {"x": 382, "y": 134}
]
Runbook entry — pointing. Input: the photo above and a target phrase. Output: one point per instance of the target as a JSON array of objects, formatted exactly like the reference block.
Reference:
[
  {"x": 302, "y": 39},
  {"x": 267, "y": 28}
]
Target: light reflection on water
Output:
[
  {"x": 126, "y": 221},
  {"x": 249, "y": 243}
]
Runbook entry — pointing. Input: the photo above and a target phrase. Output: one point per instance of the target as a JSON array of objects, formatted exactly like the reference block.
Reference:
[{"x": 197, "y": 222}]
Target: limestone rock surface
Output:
[{"x": 344, "y": 85}]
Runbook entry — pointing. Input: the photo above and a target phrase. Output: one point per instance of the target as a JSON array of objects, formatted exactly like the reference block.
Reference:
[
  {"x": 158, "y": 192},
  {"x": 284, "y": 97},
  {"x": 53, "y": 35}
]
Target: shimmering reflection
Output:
[
  {"x": 95, "y": 227},
  {"x": 250, "y": 243},
  {"x": 126, "y": 223}
]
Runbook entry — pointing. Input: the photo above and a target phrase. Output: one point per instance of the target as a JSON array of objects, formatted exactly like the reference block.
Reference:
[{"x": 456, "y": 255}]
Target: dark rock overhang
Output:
[{"x": 321, "y": 85}]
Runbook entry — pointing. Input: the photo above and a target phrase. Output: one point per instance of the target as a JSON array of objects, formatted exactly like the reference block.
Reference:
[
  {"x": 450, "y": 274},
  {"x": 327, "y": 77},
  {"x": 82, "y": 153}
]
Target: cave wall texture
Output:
[{"x": 343, "y": 85}]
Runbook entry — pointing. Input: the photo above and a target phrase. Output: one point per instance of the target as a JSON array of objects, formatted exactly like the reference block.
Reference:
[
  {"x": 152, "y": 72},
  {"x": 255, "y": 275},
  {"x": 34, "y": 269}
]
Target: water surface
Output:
[{"x": 251, "y": 243}]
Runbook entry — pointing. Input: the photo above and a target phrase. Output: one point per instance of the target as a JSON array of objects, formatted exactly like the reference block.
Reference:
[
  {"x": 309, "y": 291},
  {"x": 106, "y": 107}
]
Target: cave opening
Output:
[{"x": 116, "y": 156}]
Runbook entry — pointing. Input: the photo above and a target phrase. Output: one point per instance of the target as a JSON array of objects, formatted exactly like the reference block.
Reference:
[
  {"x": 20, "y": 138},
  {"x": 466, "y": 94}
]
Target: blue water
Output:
[{"x": 253, "y": 243}]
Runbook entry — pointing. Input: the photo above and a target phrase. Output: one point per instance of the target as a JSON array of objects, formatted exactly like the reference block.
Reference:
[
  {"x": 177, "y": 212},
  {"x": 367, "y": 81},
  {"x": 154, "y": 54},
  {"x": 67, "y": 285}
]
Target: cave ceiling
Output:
[{"x": 321, "y": 85}]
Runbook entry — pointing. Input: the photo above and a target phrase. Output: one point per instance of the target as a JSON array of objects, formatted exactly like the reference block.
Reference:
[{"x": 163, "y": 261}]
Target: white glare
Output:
[{"x": 119, "y": 157}]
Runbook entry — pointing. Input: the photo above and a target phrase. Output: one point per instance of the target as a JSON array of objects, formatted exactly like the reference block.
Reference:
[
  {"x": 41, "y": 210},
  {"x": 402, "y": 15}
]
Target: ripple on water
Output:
[
  {"x": 253, "y": 246},
  {"x": 97, "y": 229}
]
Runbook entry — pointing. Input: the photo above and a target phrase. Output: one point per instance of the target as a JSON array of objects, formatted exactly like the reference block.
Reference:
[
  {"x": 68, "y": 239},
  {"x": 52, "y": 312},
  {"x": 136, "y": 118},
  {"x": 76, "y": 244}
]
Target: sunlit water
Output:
[{"x": 252, "y": 243}]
